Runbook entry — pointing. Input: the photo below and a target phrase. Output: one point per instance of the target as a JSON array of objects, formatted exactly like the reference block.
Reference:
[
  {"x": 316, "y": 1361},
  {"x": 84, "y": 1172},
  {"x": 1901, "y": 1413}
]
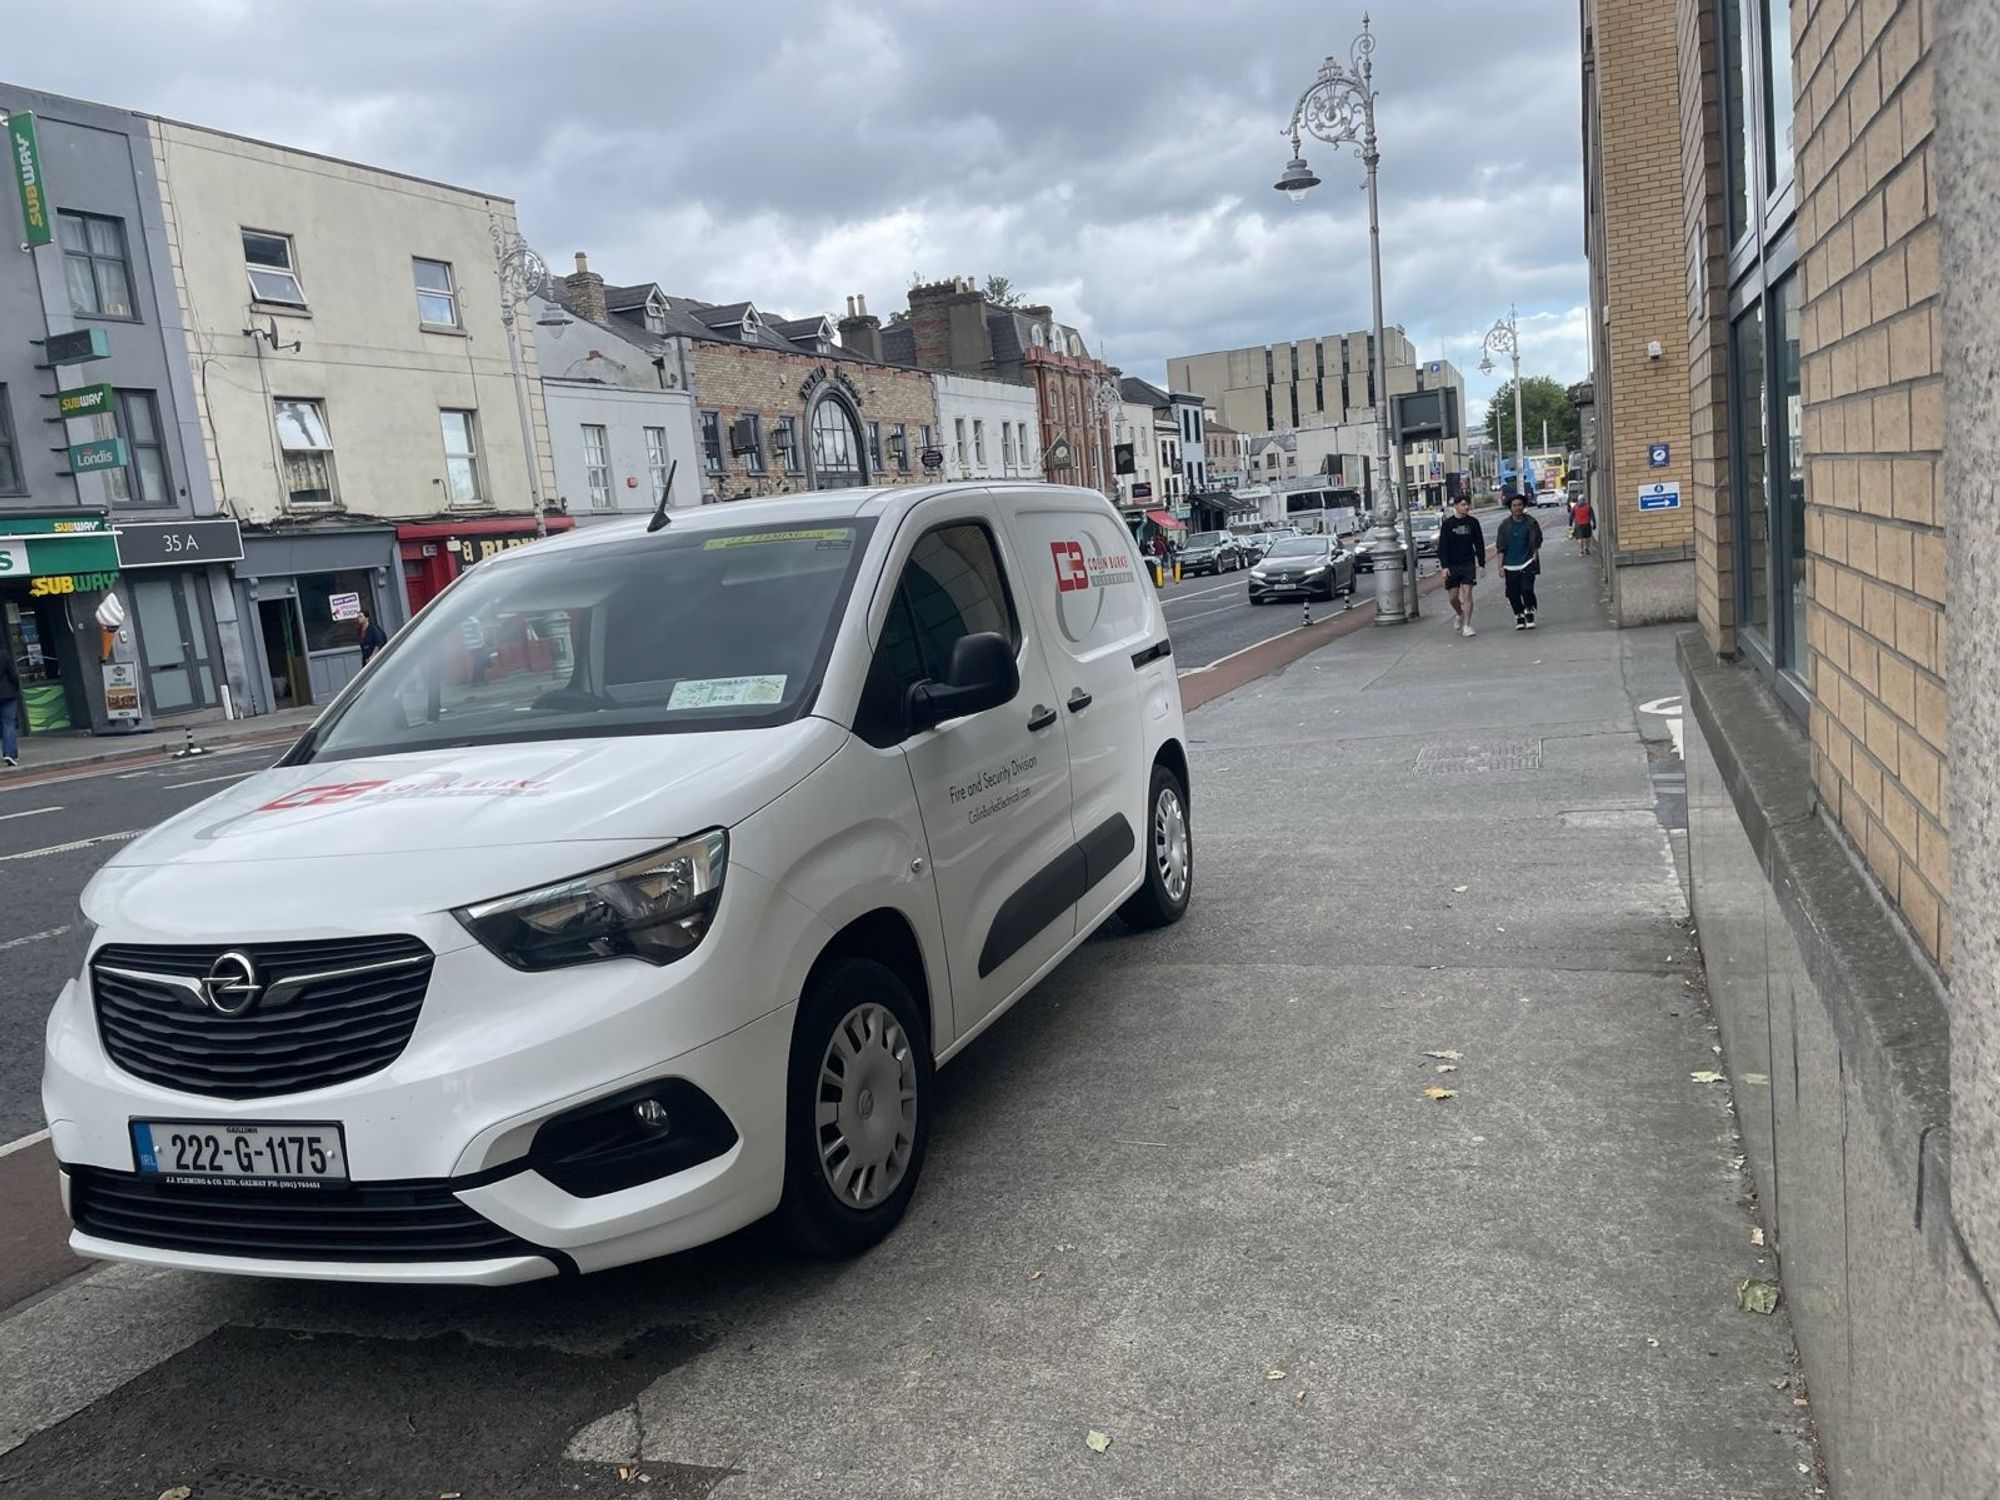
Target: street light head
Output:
[
  {"x": 1298, "y": 179},
  {"x": 1486, "y": 365}
]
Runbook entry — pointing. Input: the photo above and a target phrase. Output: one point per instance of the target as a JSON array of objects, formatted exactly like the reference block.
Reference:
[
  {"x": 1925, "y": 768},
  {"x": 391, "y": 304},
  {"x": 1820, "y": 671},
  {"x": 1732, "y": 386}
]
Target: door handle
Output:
[
  {"x": 1041, "y": 718},
  {"x": 1079, "y": 700}
]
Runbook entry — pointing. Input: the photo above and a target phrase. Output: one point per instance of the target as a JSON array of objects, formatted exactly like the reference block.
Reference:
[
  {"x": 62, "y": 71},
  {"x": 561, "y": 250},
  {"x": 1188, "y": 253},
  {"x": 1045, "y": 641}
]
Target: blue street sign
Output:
[
  {"x": 1661, "y": 495},
  {"x": 1656, "y": 456}
]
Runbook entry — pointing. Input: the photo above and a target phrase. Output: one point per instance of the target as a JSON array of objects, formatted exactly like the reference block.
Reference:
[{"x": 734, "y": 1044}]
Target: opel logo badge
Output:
[{"x": 230, "y": 986}]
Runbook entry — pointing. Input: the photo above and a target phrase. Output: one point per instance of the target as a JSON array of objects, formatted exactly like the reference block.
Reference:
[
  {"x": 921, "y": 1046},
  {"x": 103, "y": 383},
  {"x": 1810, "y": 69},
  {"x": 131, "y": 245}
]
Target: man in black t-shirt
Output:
[{"x": 1462, "y": 556}]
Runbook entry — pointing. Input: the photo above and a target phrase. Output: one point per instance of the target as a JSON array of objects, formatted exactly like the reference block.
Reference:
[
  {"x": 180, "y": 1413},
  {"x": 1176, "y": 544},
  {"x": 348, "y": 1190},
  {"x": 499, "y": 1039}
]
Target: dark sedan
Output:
[
  {"x": 1308, "y": 567},
  {"x": 1364, "y": 549}
]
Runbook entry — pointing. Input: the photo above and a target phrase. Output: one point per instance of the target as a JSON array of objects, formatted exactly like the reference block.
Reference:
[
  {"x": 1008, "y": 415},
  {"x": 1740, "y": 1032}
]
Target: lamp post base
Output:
[{"x": 1386, "y": 548}]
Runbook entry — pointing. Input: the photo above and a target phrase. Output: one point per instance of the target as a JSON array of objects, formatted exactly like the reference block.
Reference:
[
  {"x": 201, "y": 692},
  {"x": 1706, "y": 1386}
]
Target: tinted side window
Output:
[{"x": 954, "y": 587}]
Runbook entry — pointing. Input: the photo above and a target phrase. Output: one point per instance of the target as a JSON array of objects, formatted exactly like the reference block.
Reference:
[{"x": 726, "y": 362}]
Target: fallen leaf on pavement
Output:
[
  {"x": 1447, "y": 1067},
  {"x": 1800, "y": 1401},
  {"x": 1652, "y": 1343},
  {"x": 1758, "y": 1296},
  {"x": 1034, "y": 1276},
  {"x": 624, "y": 1473},
  {"x": 1274, "y": 1374},
  {"x": 1446, "y": 1053},
  {"x": 1756, "y": 1078},
  {"x": 178, "y": 1492},
  {"x": 1706, "y": 1075},
  {"x": 1460, "y": 890},
  {"x": 1757, "y": 1236},
  {"x": 1098, "y": 1441},
  {"x": 1437, "y": 1093},
  {"x": 1782, "y": 1385}
]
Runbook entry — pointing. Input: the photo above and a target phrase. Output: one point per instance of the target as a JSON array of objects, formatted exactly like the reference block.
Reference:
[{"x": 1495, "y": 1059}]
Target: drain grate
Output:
[
  {"x": 241, "y": 1484},
  {"x": 1479, "y": 760}
]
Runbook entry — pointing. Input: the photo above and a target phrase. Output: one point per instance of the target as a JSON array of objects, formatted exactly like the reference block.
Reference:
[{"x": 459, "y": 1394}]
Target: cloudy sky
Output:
[{"x": 1114, "y": 158}]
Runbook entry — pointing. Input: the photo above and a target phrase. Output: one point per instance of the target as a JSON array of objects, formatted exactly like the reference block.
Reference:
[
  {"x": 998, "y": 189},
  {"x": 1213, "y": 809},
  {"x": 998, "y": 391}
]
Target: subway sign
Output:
[
  {"x": 84, "y": 401},
  {"x": 26, "y": 154}
]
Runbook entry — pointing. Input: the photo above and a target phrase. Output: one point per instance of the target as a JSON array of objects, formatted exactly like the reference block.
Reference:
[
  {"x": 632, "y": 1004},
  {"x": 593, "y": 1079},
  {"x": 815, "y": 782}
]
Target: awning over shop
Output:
[
  {"x": 1165, "y": 519},
  {"x": 1241, "y": 507}
]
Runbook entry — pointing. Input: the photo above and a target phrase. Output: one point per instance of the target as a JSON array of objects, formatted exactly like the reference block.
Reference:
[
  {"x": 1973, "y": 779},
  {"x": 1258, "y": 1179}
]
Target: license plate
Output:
[{"x": 206, "y": 1152}]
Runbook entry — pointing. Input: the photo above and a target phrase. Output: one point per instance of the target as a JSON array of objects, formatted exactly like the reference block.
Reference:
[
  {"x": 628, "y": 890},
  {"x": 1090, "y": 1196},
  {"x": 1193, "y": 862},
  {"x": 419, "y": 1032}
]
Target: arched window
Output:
[{"x": 837, "y": 460}]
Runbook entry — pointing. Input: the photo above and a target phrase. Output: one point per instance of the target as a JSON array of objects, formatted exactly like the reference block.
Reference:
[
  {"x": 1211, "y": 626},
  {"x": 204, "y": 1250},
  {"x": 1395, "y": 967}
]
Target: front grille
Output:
[
  {"x": 353, "y": 1019},
  {"x": 406, "y": 1221}
]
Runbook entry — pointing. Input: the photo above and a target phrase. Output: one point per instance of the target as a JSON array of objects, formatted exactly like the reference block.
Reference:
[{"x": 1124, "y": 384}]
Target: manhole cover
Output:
[
  {"x": 241, "y": 1484},
  {"x": 1478, "y": 760}
]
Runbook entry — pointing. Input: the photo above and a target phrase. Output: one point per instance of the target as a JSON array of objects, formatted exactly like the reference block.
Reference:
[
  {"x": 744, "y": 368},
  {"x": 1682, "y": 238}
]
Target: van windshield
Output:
[{"x": 671, "y": 633}]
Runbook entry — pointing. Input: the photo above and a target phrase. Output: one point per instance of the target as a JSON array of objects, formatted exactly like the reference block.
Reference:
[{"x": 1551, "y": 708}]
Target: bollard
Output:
[
  {"x": 1177, "y": 570},
  {"x": 1305, "y": 613},
  {"x": 189, "y": 748}
]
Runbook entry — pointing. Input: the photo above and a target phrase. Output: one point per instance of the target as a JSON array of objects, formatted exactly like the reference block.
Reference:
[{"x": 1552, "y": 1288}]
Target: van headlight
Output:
[{"x": 657, "y": 907}]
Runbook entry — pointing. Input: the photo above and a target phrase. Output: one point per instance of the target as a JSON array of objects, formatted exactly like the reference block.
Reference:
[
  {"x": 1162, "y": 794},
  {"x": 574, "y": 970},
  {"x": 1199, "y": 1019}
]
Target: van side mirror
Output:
[{"x": 982, "y": 675}]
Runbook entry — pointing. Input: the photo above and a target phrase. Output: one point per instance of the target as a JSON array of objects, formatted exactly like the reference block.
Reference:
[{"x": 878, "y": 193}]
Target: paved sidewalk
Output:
[
  {"x": 1190, "y": 1194},
  {"x": 72, "y": 750}
]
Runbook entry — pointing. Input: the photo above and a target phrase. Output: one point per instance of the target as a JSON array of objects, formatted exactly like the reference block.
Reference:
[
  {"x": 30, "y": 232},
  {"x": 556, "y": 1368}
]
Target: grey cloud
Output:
[{"x": 1115, "y": 153}]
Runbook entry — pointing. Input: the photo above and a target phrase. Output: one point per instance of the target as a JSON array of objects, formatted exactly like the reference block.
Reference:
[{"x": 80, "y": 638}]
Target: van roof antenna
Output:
[{"x": 660, "y": 518}]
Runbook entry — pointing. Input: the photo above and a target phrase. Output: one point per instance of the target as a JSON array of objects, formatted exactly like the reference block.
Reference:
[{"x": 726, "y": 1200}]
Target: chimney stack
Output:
[
  {"x": 583, "y": 292},
  {"x": 859, "y": 333}
]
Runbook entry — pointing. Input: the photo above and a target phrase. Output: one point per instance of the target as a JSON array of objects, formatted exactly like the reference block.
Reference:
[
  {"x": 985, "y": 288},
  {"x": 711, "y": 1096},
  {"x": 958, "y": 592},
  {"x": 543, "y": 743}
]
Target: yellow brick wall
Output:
[
  {"x": 1644, "y": 276},
  {"x": 734, "y": 379},
  {"x": 1873, "y": 428},
  {"x": 1705, "y": 277}
]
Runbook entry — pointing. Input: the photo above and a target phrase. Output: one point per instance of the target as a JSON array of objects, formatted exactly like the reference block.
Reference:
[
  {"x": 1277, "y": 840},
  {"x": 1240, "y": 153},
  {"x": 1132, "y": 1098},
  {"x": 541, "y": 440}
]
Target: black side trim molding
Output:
[
  {"x": 1152, "y": 653},
  {"x": 1053, "y": 889},
  {"x": 1104, "y": 848}
]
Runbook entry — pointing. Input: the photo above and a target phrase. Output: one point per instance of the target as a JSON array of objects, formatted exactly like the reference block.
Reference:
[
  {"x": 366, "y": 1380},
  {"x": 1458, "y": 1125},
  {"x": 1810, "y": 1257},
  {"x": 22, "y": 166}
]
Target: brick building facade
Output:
[
  {"x": 1632, "y": 226},
  {"x": 1838, "y": 189}
]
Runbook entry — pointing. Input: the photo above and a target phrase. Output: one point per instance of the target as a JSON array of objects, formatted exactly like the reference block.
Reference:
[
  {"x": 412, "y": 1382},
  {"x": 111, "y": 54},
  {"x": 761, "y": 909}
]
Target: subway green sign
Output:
[
  {"x": 84, "y": 401},
  {"x": 26, "y": 154}
]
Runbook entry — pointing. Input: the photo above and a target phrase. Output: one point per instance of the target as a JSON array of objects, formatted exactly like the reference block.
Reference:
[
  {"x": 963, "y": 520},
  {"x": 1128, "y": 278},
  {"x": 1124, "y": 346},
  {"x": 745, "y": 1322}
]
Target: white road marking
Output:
[
  {"x": 74, "y": 844},
  {"x": 1671, "y": 710},
  {"x": 33, "y": 812},
  {"x": 122, "y": 769},
  {"x": 34, "y": 937},
  {"x": 24, "y": 1143},
  {"x": 1201, "y": 593},
  {"x": 174, "y": 786}
]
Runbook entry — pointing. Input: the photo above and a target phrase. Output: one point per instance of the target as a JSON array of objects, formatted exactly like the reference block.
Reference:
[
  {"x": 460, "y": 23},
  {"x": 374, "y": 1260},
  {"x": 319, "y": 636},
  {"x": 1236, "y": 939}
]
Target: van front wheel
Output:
[
  {"x": 858, "y": 1110},
  {"x": 1169, "y": 853}
]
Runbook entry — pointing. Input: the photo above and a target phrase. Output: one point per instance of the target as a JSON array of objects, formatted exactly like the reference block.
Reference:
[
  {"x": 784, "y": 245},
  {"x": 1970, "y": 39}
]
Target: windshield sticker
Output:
[
  {"x": 836, "y": 536},
  {"x": 728, "y": 692},
  {"x": 436, "y": 784}
]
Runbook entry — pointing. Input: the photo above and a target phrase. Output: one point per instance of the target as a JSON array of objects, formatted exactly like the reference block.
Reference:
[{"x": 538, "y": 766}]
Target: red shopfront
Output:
[{"x": 435, "y": 552}]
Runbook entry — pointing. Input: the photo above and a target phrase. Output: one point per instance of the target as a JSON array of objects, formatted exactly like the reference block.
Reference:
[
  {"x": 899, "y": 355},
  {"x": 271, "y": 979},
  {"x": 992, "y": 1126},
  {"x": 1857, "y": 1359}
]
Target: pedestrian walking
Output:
[
  {"x": 1462, "y": 555},
  {"x": 1581, "y": 520},
  {"x": 10, "y": 709},
  {"x": 370, "y": 636},
  {"x": 1519, "y": 544}
]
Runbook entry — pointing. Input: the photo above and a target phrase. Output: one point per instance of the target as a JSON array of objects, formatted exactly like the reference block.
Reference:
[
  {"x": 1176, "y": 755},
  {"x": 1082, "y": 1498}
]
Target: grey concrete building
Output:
[{"x": 144, "y": 526}]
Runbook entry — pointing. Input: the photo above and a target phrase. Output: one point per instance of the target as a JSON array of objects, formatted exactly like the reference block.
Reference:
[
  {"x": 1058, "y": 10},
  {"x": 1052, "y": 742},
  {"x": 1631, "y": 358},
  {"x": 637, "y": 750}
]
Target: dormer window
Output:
[{"x": 1037, "y": 337}]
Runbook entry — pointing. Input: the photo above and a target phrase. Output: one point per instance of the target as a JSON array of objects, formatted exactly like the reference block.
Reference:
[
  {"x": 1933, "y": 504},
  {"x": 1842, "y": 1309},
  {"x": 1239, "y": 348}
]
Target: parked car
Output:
[
  {"x": 1253, "y": 545},
  {"x": 1364, "y": 550},
  {"x": 1426, "y": 525},
  {"x": 624, "y": 945},
  {"x": 1211, "y": 552},
  {"x": 1309, "y": 567}
]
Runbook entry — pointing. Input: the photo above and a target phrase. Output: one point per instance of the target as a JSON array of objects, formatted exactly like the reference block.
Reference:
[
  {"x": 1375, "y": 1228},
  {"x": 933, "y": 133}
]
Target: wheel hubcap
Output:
[
  {"x": 1173, "y": 855},
  {"x": 865, "y": 1110}
]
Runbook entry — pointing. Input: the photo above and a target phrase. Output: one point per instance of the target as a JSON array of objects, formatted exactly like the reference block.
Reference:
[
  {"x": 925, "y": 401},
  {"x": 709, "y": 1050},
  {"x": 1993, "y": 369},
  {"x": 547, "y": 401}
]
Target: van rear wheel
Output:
[
  {"x": 857, "y": 1117},
  {"x": 1169, "y": 852}
]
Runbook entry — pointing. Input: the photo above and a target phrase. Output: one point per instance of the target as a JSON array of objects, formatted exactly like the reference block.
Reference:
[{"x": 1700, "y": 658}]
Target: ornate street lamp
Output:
[
  {"x": 1504, "y": 337},
  {"x": 1108, "y": 404},
  {"x": 1339, "y": 109},
  {"x": 524, "y": 278}
]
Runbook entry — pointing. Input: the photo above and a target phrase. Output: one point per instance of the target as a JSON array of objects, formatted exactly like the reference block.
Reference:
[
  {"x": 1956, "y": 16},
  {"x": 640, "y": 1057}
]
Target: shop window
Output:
[
  {"x": 597, "y": 466},
  {"x": 1738, "y": 148},
  {"x": 273, "y": 271},
  {"x": 143, "y": 480},
  {"x": 437, "y": 298},
  {"x": 329, "y": 602},
  {"x": 958, "y": 440},
  {"x": 836, "y": 440},
  {"x": 979, "y": 443},
  {"x": 753, "y": 447},
  {"x": 1777, "y": 41},
  {"x": 95, "y": 267},
  {"x": 461, "y": 456},
  {"x": 1789, "y": 477},
  {"x": 875, "y": 445},
  {"x": 11, "y": 482},
  {"x": 1750, "y": 423},
  {"x": 1007, "y": 444},
  {"x": 308, "y": 450},
  {"x": 899, "y": 444}
]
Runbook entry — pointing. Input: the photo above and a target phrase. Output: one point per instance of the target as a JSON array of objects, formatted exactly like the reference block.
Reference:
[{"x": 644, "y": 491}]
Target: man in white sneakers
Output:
[{"x": 1462, "y": 556}]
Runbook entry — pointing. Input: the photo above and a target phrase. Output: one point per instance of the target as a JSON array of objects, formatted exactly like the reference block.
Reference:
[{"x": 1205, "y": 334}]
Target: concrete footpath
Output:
[{"x": 1193, "y": 1195}]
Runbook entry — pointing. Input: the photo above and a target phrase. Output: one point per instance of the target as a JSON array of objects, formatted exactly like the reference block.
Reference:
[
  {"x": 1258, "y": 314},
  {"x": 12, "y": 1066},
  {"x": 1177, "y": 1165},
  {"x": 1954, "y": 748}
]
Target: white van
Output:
[{"x": 645, "y": 916}]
